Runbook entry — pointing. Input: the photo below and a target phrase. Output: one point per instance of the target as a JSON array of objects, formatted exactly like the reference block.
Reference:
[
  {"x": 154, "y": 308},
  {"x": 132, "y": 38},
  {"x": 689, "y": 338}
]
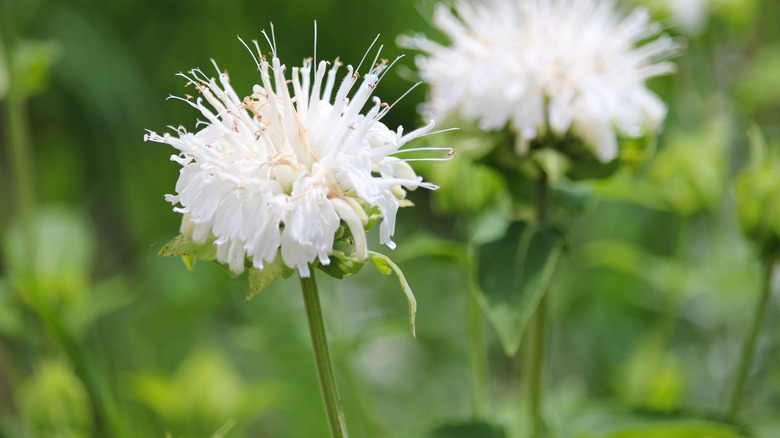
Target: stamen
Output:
[
  {"x": 450, "y": 151},
  {"x": 271, "y": 41},
  {"x": 385, "y": 70},
  {"x": 373, "y": 63},
  {"x": 366, "y": 54},
  {"x": 257, "y": 63},
  {"x": 402, "y": 96}
]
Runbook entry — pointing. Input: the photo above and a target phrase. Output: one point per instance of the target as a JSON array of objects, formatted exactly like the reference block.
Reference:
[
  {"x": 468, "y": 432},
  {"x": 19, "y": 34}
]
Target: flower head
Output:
[
  {"x": 569, "y": 66},
  {"x": 281, "y": 169}
]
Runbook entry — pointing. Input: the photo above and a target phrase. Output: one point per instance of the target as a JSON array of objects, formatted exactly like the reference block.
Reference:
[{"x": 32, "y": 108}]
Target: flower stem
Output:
[
  {"x": 537, "y": 334},
  {"x": 319, "y": 342},
  {"x": 477, "y": 356},
  {"x": 749, "y": 347}
]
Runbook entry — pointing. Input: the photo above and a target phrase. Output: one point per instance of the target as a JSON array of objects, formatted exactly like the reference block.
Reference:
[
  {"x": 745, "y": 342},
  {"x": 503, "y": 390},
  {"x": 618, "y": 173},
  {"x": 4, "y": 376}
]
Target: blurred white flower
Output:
[
  {"x": 282, "y": 170},
  {"x": 568, "y": 65},
  {"x": 689, "y": 15}
]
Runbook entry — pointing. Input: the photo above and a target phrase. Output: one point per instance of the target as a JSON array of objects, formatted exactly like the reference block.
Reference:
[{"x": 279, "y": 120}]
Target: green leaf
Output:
[
  {"x": 190, "y": 251},
  {"x": 468, "y": 430},
  {"x": 386, "y": 266},
  {"x": 513, "y": 274},
  {"x": 182, "y": 245},
  {"x": 259, "y": 279}
]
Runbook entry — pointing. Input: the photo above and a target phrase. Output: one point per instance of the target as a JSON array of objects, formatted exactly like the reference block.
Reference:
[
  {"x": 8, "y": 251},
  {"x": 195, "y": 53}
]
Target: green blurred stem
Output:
[
  {"x": 537, "y": 329},
  {"x": 477, "y": 355},
  {"x": 749, "y": 347},
  {"x": 18, "y": 139},
  {"x": 319, "y": 342}
]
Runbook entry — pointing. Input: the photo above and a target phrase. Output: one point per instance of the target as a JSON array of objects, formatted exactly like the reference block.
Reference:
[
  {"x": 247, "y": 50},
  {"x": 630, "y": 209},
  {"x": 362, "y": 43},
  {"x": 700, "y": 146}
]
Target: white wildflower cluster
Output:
[
  {"x": 280, "y": 169},
  {"x": 570, "y": 66}
]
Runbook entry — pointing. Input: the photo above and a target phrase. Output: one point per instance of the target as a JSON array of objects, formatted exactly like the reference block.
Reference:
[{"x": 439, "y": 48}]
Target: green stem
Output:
[
  {"x": 749, "y": 347},
  {"x": 537, "y": 335},
  {"x": 536, "y": 365},
  {"x": 319, "y": 342},
  {"x": 477, "y": 356}
]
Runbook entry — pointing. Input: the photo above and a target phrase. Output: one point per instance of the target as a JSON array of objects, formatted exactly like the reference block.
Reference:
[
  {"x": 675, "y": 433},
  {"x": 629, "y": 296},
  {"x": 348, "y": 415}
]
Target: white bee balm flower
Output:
[
  {"x": 281, "y": 168},
  {"x": 570, "y": 66}
]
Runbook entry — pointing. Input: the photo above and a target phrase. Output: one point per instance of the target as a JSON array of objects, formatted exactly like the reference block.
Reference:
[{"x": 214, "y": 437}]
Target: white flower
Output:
[
  {"x": 567, "y": 65},
  {"x": 281, "y": 169}
]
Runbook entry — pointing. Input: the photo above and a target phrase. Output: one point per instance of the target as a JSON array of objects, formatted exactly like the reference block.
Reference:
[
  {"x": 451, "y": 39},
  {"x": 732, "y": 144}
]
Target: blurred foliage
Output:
[
  {"x": 758, "y": 195},
  {"x": 55, "y": 403},
  {"x": 202, "y": 393},
  {"x": 99, "y": 337}
]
